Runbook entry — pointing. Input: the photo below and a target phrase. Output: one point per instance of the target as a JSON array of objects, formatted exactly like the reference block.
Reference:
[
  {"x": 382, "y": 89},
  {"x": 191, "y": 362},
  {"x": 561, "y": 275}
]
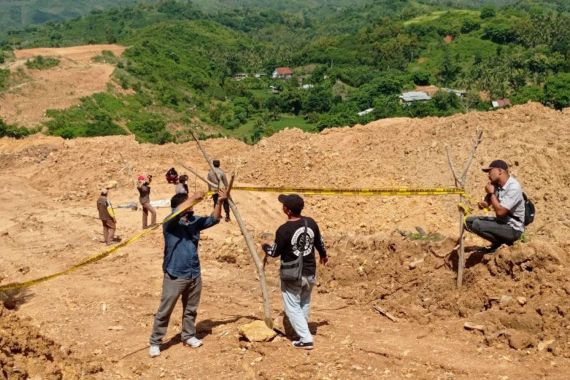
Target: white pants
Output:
[{"x": 297, "y": 303}]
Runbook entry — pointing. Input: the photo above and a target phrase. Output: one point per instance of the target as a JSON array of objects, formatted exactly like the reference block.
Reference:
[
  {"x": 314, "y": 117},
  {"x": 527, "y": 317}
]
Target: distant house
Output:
[
  {"x": 282, "y": 73},
  {"x": 414, "y": 96},
  {"x": 448, "y": 39},
  {"x": 500, "y": 103},
  {"x": 259, "y": 75},
  {"x": 307, "y": 86},
  {"x": 459, "y": 93},
  {"x": 240, "y": 76},
  {"x": 365, "y": 112},
  {"x": 274, "y": 89}
]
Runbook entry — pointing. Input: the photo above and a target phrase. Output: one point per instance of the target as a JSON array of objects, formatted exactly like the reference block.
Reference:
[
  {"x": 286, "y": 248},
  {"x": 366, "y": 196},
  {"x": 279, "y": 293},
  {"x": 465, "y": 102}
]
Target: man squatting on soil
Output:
[
  {"x": 144, "y": 198},
  {"x": 213, "y": 178},
  {"x": 107, "y": 216},
  {"x": 298, "y": 236},
  {"x": 505, "y": 195},
  {"x": 181, "y": 267}
]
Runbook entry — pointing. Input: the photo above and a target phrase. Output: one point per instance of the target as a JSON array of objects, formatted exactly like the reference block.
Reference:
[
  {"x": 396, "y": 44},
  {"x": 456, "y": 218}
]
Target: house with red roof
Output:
[{"x": 282, "y": 73}]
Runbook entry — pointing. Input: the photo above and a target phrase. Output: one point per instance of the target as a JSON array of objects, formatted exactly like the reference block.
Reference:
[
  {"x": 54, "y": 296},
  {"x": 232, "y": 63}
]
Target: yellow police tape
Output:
[
  {"x": 92, "y": 259},
  {"x": 400, "y": 191},
  {"x": 397, "y": 191}
]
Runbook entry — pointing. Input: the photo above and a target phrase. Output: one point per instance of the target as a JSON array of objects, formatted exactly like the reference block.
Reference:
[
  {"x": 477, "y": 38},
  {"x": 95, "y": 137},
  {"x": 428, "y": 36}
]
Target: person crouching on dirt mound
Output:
[
  {"x": 144, "y": 197},
  {"x": 213, "y": 178},
  {"x": 295, "y": 242},
  {"x": 181, "y": 267},
  {"x": 505, "y": 196},
  {"x": 107, "y": 216}
]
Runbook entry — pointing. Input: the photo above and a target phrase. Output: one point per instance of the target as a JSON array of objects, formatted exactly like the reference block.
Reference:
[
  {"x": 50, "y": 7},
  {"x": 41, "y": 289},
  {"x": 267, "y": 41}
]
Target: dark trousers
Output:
[
  {"x": 146, "y": 208},
  {"x": 172, "y": 289},
  {"x": 226, "y": 205},
  {"x": 490, "y": 229}
]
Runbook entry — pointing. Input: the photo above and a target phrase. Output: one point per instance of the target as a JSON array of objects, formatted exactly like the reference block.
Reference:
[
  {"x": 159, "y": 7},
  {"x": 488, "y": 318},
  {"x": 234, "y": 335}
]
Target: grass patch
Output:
[
  {"x": 4, "y": 75},
  {"x": 42, "y": 63},
  {"x": 106, "y": 56}
]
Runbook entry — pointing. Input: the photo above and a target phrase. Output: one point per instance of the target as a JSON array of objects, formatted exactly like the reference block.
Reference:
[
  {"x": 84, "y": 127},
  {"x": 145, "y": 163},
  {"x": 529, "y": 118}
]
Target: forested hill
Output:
[{"x": 187, "y": 63}]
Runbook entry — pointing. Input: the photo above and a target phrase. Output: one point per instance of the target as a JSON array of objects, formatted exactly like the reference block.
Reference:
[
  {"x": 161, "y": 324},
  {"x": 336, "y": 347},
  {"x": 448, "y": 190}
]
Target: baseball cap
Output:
[
  {"x": 500, "y": 164},
  {"x": 293, "y": 202},
  {"x": 141, "y": 177}
]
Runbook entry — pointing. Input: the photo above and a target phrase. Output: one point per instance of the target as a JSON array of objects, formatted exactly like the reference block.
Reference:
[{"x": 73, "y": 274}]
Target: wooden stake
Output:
[
  {"x": 460, "y": 182},
  {"x": 249, "y": 242},
  {"x": 385, "y": 313}
]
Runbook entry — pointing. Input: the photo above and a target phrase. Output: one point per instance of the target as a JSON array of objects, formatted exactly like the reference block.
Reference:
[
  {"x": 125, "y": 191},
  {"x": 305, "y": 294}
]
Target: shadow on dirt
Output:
[
  {"x": 13, "y": 299},
  {"x": 474, "y": 256}
]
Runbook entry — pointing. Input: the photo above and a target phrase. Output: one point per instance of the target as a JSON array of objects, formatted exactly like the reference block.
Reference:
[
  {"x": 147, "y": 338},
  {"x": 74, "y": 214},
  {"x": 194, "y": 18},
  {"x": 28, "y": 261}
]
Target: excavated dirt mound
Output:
[
  {"x": 60, "y": 87},
  {"x": 26, "y": 354},
  {"x": 395, "y": 253}
]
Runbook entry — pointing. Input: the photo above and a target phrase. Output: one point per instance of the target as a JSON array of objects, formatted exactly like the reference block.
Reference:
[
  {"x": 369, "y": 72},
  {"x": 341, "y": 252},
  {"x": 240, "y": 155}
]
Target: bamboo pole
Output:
[{"x": 249, "y": 242}]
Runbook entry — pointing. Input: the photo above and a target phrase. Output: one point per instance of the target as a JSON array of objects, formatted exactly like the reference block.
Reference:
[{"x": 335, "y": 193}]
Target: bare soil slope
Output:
[
  {"x": 102, "y": 314},
  {"x": 60, "y": 87}
]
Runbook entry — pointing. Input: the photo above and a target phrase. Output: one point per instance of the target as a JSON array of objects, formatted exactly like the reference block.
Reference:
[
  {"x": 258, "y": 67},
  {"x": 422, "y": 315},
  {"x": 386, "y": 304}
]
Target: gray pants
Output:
[
  {"x": 489, "y": 229},
  {"x": 172, "y": 289},
  {"x": 297, "y": 303}
]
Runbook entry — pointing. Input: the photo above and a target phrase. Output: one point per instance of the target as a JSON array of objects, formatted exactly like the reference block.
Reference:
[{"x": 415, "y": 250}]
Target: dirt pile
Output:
[
  {"x": 518, "y": 297},
  {"x": 514, "y": 301},
  {"x": 26, "y": 354}
]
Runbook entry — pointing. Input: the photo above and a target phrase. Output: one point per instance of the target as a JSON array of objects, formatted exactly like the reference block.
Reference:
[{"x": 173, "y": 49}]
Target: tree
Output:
[
  {"x": 488, "y": 12},
  {"x": 557, "y": 91},
  {"x": 449, "y": 69},
  {"x": 421, "y": 78}
]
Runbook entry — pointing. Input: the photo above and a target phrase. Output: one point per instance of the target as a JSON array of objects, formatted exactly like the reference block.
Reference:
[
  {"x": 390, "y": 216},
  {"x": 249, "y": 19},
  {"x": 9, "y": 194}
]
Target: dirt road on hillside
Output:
[{"x": 36, "y": 91}]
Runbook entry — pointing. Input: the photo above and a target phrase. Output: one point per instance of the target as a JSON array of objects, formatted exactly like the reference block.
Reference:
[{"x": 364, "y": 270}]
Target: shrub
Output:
[
  {"x": 42, "y": 63},
  {"x": 12, "y": 131}
]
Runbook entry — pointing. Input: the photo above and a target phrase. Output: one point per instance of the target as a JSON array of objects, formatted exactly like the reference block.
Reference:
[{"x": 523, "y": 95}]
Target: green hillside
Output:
[{"x": 182, "y": 59}]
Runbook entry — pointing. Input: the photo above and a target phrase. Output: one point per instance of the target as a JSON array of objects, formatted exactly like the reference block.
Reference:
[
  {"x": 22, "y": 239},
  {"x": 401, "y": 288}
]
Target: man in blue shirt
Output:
[{"x": 181, "y": 267}]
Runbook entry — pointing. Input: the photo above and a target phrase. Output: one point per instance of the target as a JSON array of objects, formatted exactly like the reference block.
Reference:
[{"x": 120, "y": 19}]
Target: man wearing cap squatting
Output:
[
  {"x": 300, "y": 235},
  {"x": 505, "y": 196}
]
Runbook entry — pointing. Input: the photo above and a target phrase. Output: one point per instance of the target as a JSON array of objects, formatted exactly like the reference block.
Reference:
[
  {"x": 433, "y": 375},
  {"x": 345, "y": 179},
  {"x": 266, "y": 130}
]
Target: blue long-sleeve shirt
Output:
[{"x": 181, "y": 238}]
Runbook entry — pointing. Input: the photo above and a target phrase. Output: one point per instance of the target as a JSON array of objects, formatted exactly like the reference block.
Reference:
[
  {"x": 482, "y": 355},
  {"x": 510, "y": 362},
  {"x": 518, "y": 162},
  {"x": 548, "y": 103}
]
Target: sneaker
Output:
[
  {"x": 193, "y": 342},
  {"x": 227, "y": 219},
  {"x": 154, "y": 350},
  {"x": 303, "y": 345}
]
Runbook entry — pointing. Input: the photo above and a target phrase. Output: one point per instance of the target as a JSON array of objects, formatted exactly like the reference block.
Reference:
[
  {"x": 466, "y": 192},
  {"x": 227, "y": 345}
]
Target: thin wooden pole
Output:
[
  {"x": 249, "y": 242},
  {"x": 196, "y": 174},
  {"x": 460, "y": 182}
]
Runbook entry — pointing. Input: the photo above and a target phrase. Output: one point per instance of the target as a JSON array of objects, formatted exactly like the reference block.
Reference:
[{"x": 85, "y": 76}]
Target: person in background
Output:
[
  {"x": 107, "y": 216},
  {"x": 144, "y": 197},
  {"x": 182, "y": 185},
  {"x": 213, "y": 178}
]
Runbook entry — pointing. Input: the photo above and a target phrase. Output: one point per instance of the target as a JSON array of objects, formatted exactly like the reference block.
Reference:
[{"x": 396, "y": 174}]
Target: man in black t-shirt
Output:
[{"x": 300, "y": 235}]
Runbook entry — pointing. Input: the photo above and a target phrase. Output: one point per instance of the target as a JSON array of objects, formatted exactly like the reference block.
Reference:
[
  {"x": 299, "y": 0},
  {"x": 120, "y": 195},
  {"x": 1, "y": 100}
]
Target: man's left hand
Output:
[{"x": 324, "y": 260}]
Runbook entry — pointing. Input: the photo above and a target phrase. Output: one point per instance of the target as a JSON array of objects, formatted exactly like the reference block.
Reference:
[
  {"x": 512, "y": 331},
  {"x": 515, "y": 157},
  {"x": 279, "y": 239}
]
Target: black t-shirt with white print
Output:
[{"x": 291, "y": 240}]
